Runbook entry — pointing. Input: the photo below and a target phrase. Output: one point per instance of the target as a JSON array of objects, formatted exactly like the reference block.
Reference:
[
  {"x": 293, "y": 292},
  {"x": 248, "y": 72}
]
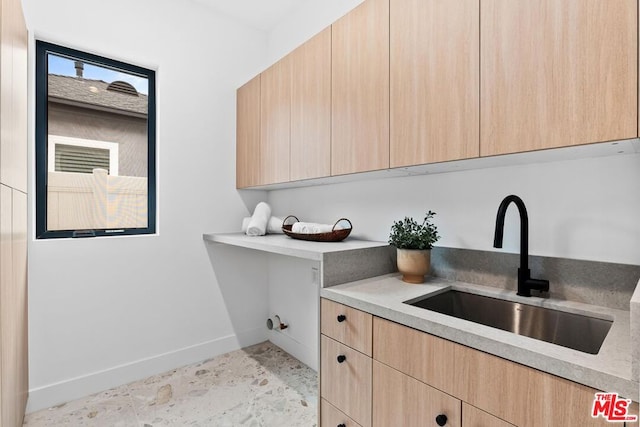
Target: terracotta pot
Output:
[{"x": 414, "y": 264}]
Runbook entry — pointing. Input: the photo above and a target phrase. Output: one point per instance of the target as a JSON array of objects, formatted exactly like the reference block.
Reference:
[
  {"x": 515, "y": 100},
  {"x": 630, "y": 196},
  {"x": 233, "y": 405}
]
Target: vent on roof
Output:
[{"x": 122, "y": 87}]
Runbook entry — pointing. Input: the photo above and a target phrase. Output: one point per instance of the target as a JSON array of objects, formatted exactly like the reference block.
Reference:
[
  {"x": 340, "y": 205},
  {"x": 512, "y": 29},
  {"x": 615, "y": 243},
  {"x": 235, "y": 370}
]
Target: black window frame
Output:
[{"x": 41, "y": 144}]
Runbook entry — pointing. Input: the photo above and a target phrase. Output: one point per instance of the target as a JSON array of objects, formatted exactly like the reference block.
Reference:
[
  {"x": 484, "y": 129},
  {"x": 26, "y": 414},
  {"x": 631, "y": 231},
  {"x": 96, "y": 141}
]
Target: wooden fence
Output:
[{"x": 95, "y": 200}]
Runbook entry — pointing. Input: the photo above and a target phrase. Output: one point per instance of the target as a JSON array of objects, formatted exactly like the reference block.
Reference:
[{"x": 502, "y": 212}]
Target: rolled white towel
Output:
[
  {"x": 274, "y": 226},
  {"x": 259, "y": 220},
  {"x": 314, "y": 228}
]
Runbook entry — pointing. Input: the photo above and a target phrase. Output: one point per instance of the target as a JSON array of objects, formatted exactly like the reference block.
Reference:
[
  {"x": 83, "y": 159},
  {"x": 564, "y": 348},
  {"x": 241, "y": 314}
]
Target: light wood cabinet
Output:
[
  {"x": 512, "y": 392},
  {"x": 248, "y": 171},
  {"x": 311, "y": 108},
  {"x": 434, "y": 82},
  {"x": 557, "y": 73},
  {"x": 474, "y": 417},
  {"x": 360, "y": 89},
  {"x": 399, "y": 400},
  {"x": 330, "y": 416},
  {"x": 13, "y": 103},
  {"x": 346, "y": 325},
  {"x": 345, "y": 380},
  {"x": 14, "y": 380},
  {"x": 275, "y": 122}
]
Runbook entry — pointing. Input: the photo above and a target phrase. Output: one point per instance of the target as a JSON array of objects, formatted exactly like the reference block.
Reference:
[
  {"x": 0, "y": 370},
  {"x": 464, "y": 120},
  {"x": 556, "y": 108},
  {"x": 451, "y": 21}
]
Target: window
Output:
[{"x": 95, "y": 145}]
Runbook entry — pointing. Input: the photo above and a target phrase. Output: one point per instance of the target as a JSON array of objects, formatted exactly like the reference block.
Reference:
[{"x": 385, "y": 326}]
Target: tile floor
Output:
[{"x": 256, "y": 386}]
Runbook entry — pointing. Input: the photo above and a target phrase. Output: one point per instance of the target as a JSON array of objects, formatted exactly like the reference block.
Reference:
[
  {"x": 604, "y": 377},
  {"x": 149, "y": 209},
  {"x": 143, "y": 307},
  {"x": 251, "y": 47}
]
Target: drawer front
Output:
[
  {"x": 516, "y": 393},
  {"x": 474, "y": 417},
  {"x": 347, "y": 384},
  {"x": 347, "y": 325},
  {"x": 330, "y": 416},
  {"x": 399, "y": 400}
]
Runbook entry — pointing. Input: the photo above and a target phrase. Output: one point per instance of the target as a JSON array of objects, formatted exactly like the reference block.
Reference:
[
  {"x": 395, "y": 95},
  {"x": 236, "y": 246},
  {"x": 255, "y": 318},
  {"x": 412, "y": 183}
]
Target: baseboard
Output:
[
  {"x": 85, "y": 385},
  {"x": 300, "y": 351}
]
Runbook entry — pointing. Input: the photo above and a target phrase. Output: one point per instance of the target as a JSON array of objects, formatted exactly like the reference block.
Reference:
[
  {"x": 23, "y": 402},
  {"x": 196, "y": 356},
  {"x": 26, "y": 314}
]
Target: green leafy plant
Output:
[{"x": 408, "y": 234}]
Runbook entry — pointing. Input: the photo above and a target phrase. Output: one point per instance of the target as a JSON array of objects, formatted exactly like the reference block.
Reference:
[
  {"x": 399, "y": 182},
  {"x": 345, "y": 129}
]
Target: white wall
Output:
[
  {"x": 582, "y": 209},
  {"x": 303, "y": 23},
  {"x": 107, "y": 311}
]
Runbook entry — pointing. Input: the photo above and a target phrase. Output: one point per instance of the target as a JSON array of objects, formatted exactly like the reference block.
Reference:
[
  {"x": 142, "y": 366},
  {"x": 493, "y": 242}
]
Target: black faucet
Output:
[{"x": 525, "y": 282}]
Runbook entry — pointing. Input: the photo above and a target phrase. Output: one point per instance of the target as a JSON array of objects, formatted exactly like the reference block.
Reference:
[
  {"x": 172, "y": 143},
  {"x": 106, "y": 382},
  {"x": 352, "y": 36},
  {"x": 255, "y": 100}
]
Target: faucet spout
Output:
[{"x": 525, "y": 282}]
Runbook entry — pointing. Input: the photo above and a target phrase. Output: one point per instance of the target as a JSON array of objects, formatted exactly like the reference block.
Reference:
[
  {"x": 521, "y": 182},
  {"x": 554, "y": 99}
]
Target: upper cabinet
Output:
[
  {"x": 398, "y": 83},
  {"x": 557, "y": 73},
  {"x": 435, "y": 74},
  {"x": 275, "y": 122},
  {"x": 248, "y": 135},
  {"x": 311, "y": 108},
  {"x": 360, "y": 89}
]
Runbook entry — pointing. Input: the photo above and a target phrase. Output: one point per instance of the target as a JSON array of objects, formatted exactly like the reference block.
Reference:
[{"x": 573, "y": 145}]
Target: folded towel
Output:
[
  {"x": 274, "y": 226},
  {"x": 259, "y": 220},
  {"x": 313, "y": 228}
]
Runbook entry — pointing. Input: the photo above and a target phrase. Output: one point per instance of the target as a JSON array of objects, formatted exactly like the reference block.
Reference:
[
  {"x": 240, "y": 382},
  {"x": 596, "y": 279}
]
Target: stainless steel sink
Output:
[{"x": 582, "y": 333}]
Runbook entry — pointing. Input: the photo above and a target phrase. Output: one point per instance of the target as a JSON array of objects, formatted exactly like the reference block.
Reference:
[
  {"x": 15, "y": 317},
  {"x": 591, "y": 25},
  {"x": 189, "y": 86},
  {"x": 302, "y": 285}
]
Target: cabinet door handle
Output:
[
  {"x": 441, "y": 420},
  {"x": 342, "y": 358},
  {"x": 341, "y": 318}
]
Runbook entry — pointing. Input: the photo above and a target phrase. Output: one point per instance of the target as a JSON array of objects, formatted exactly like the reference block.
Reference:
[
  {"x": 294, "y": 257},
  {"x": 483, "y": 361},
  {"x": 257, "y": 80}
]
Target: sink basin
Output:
[{"x": 579, "y": 332}]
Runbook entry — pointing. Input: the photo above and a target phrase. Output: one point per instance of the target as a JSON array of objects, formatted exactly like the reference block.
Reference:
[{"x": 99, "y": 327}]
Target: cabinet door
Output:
[
  {"x": 435, "y": 74},
  {"x": 360, "y": 89},
  {"x": 518, "y": 394},
  {"x": 13, "y": 306},
  {"x": 248, "y": 134},
  {"x": 346, "y": 383},
  {"x": 275, "y": 122},
  {"x": 557, "y": 73},
  {"x": 474, "y": 417},
  {"x": 399, "y": 400},
  {"x": 311, "y": 108},
  {"x": 18, "y": 310},
  {"x": 13, "y": 102},
  {"x": 330, "y": 416},
  {"x": 347, "y": 325}
]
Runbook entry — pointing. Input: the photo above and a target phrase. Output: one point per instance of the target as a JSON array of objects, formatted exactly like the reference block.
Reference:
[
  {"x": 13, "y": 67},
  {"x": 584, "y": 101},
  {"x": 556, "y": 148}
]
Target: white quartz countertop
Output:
[
  {"x": 285, "y": 245},
  {"x": 609, "y": 370}
]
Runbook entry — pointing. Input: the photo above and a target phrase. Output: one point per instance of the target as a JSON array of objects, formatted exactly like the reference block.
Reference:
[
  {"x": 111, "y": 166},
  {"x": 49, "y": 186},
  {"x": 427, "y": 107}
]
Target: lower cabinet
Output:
[
  {"x": 399, "y": 400},
  {"x": 474, "y": 417},
  {"x": 417, "y": 379},
  {"x": 330, "y": 416},
  {"x": 345, "y": 379}
]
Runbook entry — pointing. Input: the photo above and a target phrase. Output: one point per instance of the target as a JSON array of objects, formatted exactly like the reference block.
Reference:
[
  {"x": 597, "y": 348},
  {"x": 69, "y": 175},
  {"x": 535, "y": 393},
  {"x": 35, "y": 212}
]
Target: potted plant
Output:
[{"x": 414, "y": 242}]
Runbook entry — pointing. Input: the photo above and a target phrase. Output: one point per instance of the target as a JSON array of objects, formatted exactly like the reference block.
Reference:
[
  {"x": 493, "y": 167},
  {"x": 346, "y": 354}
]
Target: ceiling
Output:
[{"x": 260, "y": 14}]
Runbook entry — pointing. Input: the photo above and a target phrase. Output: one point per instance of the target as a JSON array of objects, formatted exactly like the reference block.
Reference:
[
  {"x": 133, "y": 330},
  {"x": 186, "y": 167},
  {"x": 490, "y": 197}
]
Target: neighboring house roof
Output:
[{"x": 94, "y": 94}]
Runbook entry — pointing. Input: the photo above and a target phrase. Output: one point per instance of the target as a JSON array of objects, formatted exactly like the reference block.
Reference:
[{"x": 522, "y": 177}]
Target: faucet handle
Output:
[{"x": 538, "y": 284}]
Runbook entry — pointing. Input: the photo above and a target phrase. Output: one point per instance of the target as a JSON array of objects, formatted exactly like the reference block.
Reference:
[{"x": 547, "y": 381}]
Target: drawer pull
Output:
[
  {"x": 341, "y": 318},
  {"x": 341, "y": 425},
  {"x": 441, "y": 420},
  {"x": 342, "y": 358}
]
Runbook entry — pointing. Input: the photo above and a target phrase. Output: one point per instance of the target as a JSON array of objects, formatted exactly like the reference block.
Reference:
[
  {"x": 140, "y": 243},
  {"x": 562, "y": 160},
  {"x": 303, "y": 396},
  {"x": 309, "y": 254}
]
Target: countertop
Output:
[
  {"x": 285, "y": 245},
  {"x": 609, "y": 370}
]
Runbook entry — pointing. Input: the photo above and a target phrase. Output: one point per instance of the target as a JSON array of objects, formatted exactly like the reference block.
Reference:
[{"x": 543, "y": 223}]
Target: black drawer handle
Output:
[
  {"x": 342, "y": 318},
  {"x": 341, "y": 425},
  {"x": 441, "y": 420},
  {"x": 342, "y": 358}
]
